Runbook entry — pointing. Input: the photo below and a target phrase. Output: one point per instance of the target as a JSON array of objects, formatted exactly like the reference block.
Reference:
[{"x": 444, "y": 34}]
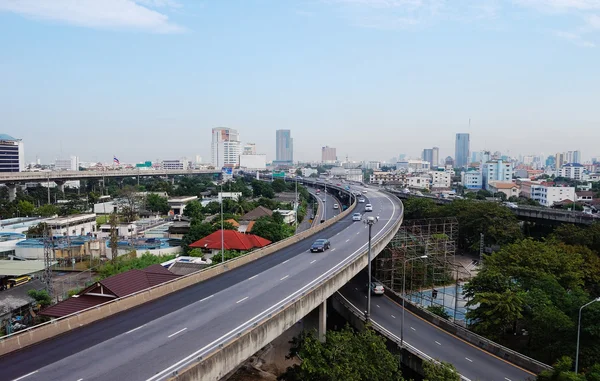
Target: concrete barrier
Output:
[
  {"x": 62, "y": 325},
  {"x": 496, "y": 349}
]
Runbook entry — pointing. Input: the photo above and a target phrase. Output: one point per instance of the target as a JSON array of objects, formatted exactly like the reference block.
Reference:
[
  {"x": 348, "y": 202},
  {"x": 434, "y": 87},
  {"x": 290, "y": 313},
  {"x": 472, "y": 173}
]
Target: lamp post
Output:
[
  {"x": 296, "y": 206},
  {"x": 404, "y": 294},
  {"x": 370, "y": 221},
  {"x": 222, "y": 233},
  {"x": 579, "y": 332}
]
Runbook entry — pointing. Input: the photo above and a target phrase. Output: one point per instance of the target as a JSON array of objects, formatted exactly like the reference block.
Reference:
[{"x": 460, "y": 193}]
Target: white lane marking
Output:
[
  {"x": 393, "y": 316},
  {"x": 357, "y": 233},
  {"x": 348, "y": 240},
  {"x": 365, "y": 296},
  {"x": 356, "y": 288},
  {"x": 378, "y": 306},
  {"x": 81, "y": 379},
  {"x": 337, "y": 234},
  {"x": 284, "y": 277},
  {"x": 438, "y": 343},
  {"x": 178, "y": 332},
  {"x": 208, "y": 297},
  {"x": 214, "y": 344},
  {"x": 468, "y": 359},
  {"x": 507, "y": 379},
  {"x": 27, "y": 375},
  {"x": 333, "y": 249},
  {"x": 135, "y": 329},
  {"x": 313, "y": 261},
  {"x": 285, "y": 261},
  {"x": 253, "y": 276},
  {"x": 412, "y": 328},
  {"x": 241, "y": 300}
]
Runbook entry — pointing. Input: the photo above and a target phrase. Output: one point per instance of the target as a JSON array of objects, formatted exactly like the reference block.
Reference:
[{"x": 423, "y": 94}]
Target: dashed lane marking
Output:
[
  {"x": 176, "y": 333},
  {"x": 241, "y": 300}
]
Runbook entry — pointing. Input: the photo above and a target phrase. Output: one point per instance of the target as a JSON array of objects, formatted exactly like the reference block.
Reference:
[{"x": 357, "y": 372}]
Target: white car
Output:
[
  {"x": 368, "y": 208},
  {"x": 336, "y": 206},
  {"x": 364, "y": 192},
  {"x": 356, "y": 217},
  {"x": 361, "y": 200}
]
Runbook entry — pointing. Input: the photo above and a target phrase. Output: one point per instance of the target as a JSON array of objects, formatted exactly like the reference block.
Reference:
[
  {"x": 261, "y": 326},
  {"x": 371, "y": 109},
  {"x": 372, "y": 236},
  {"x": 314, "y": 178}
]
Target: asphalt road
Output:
[
  {"x": 149, "y": 342},
  {"x": 470, "y": 361}
]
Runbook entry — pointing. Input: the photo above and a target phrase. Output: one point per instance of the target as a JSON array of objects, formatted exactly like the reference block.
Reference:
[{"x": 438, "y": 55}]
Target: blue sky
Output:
[{"x": 148, "y": 79}]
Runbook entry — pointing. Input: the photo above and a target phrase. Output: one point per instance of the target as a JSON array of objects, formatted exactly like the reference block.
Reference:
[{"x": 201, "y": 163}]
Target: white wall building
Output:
[
  {"x": 177, "y": 204},
  {"x": 413, "y": 166},
  {"x": 70, "y": 164},
  {"x": 123, "y": 231},
  {"x": 225, "y": 147},
  {"x": 289, "y": 216},
  {"x": 496, "y": 170},
  {"x": 372, "y": 165},
  {"x": 388, "y": 178},
  {"x": 78, "y": 224},
  {"x": 418, "y": 182},
  {"x": 229, "y": 196},
  {"x": 547, "y": 196},
  {"x": 174, "y": 164},
  {"x": 253, "y": 162},
  {"x": 249, "y": 149},
  {"x": 472, "y": 180},
  {"x": 441, "y": 179},
  {"x": 307, "y": 172},
  {"x": 572, "y": 171}
]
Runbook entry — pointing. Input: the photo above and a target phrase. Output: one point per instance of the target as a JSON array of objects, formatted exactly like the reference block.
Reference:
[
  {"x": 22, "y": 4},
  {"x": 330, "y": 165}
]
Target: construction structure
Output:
[
  {"x": 434, "y": 281},
  {"x": 49, "y": 256}
]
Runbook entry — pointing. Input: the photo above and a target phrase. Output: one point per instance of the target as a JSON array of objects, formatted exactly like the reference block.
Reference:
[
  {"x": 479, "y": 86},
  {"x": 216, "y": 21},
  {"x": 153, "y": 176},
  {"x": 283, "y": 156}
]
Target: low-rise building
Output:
[
  {"x": 307, "y": 172},
  {"x": 229, "y": 196},
  {"x": 584, "y": 196},
  {"x": 253, "y": 162},
  {"x": 123, "y": 231},
  {"x": 77, "y": 224},
  {"x": 441, "y": 179},
  {"x": 472, "y": 180},
  {"x": 411, "y": 166},
  {"x": 510, "y": 189},
  {"x": 573, "y": 171},
  {"x": 418, "y": 182},
  {"x": 388, "y": 178},
  {"x": 548, "y": 195},
  {"x": 229, "y": 240},
  {"x": 177, "y": 204},
  {"x": 289, "y": 216},
  {"x": 496, "y": 170},
  {"x": 175, "y": 164}
]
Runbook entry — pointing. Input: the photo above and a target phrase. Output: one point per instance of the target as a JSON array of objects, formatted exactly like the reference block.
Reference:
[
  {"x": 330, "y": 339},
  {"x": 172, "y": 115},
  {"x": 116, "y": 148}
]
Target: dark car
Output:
[{"x": 320, "y": 245}]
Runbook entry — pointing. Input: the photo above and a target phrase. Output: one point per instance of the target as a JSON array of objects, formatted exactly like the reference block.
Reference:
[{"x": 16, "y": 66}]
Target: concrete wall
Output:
[
  {"x": 507, "y": 354},
  {"x": 214, "y": 364},
  {"x": 56, "y": 327}
]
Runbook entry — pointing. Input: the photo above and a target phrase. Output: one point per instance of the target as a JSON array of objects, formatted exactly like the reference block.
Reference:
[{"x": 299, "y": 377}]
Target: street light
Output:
[
  {"x": 296, "y": 206},
  {"x": 222, "y": 234},
  {"x": 404, "y": 294},
  {"x": 579, "y": 331},
  {"x": 369, "y": 221}
]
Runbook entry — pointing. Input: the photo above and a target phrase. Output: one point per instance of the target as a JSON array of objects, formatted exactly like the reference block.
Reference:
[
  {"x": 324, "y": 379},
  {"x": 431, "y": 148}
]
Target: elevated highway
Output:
[{"x": 44, "y": 176}]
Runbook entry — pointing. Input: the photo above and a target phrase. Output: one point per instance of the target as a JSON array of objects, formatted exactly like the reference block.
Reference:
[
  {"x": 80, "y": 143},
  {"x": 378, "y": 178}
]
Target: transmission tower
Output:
[{"x": 49, "y": 256}]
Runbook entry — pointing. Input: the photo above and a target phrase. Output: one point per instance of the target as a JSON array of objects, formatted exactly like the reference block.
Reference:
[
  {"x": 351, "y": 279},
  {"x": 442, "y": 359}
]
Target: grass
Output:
[{"x": 101, "y": 220}]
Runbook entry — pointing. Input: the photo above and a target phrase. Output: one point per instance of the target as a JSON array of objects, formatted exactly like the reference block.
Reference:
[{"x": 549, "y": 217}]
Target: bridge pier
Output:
[
  {"x": 12, "y": 191},
  {"x": 322, "y": 321},
  {"x": 60, "y": 185}
]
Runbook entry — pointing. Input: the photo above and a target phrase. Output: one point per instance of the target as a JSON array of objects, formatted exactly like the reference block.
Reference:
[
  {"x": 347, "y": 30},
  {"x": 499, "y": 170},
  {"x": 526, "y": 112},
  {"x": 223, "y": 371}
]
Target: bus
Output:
[{"x": 13, "y": 282}]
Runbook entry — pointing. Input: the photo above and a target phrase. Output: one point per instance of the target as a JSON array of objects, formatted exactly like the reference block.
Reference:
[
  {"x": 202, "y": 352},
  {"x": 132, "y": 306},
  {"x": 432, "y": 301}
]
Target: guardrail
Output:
[
  {"x": 202, "y": 364},
  {"x": 64, "y": 175},
  {"x": 490, "y": 346},
  {"x": 38, "y": 333}
]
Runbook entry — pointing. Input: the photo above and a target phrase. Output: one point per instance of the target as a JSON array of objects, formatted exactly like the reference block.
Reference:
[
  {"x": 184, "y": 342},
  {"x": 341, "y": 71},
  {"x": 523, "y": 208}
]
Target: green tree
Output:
[
  {"x": 194, "y": 210},
  {"x": 268, "y": 228},
  {"x": 25, "y": 208},
  {"x": 496, "y": 312},
  {"x": 345, "y": 355},
  {"x": 441, "y": 371},
  {"x": 41, "y": 297},
  {"x": 439, "y": 311},
  {"x": 197, "y": 231},
  {"x": 47, "y": 210},
  {"x": 157, "y": 203}
]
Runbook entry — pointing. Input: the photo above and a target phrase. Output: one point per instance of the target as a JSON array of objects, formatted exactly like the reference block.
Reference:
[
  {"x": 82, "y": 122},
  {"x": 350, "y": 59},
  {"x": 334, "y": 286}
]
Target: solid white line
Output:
[
  {"x": 378, "y": 306},
  {"x": 27, "y": 375},
  {"x": 285, "y": 261},
  {"x": 356, "y": 288},
  {"x": 313, "y": 261},
  {"x": 135, "y": 329},
  {"x": 81, "y": 379},
  {"x": 241, "y": 300},
  {"x": 208, "y": 297},
  {"x": 253, "y": 276},
  {"x": 393, "y": 316},
  {"x": 284, "y": 277},
  {"x": 412, "y": 328},
  {"x": 468, "y": 359},
  {"x": 438, "y": 343},
  {"x": 229, "y": 334},
  {"x": 348, "y": 240},
  {"x": 173, "y": 334}
]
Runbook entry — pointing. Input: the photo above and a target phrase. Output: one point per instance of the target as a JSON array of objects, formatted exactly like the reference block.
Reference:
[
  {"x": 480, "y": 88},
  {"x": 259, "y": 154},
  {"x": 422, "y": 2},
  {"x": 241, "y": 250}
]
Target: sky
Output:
[{"x": 149, "y": 79}]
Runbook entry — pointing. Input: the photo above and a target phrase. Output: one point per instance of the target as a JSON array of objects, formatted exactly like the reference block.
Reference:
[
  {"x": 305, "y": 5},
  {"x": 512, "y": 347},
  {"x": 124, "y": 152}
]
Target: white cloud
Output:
[
  {"x": 560, "y": 5},
  {"x": 119, "y": 14},
  {"x": 575, "y": 38}
]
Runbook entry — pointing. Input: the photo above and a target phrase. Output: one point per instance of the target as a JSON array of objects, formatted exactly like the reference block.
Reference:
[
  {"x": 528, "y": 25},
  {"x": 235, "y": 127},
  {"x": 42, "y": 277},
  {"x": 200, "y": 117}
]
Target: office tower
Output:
[
  {"x": 496, "y": 170},
  {"x": 284, "y": 153},
  {"x": 461, "y": 151},
  {"x": 71, "y": 164},
  {"x": 559, "y": 160},
  {"x": 225, "y": 147},
  {"x": 12, "y": 155},
  {"x": 435, "y": 157},
  {"x": 576, "y": 157},
  {"x": 328, "y": 154}
]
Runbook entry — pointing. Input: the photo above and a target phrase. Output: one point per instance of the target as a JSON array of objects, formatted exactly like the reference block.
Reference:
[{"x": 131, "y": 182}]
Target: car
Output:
[
  {"x": 511, "y": 205},
  {"x": 361, "y": 200},
  {"x": 364, "y": 192},
  {"x": 336, "y": 206},
  {"x": 377, "y": 288},
  {"x": 356, "y": 217},
  {"x": 321, "y": 244},
  {"x": 323, "y": 199},
  {"x": 368, "y": 208}
]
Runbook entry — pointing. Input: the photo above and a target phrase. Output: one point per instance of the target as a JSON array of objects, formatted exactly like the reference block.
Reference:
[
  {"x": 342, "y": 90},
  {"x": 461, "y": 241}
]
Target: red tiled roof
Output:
[{"x": 232, "y": 240}]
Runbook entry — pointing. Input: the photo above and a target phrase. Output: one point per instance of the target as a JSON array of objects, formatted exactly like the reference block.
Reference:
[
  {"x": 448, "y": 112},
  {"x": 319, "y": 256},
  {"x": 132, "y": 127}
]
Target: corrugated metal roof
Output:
[
  {"x": 19, "y": 268},
  {"x": 73, "y": 304},
  {"x": 182, "y": 268},
  {"x": 256, "y": 213}
]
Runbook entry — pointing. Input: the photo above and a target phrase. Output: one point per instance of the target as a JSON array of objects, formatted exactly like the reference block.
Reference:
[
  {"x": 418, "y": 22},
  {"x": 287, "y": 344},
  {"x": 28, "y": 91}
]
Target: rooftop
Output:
[
  {"x": 8, "y": 137},
  {"x": 256, "y": 213},
  {"x": 18, "y": 268},
  {"x": 232, "y": 240}
]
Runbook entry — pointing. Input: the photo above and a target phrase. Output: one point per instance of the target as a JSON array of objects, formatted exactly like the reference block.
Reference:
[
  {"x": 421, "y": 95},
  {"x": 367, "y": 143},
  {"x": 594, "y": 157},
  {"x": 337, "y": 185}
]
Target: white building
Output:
[
  {"x": 71, "y": 164},
  {"x": 229, "y": 196},
  {"x": 472, "y": 180},
  {"x": 509, "y": 188},
  {"x": 372, "y": 165},
  {"x": 253, "y": 162},
  {"x": 289, "y": 216},
  {"x": 225, "y": 147},
  {"x": 418, "y": 182},
  {"x": 387, "y": 178},
  {"x": 547, "y": 196},
  {"x": 249, "y": 149},
  {"x": 441, "y": 179},
  {"x": 347, "y": 174},
  {"x": 78, "y": 224},
  {"x": 307, "y": 172},
  {"x": 12, "y": 154},
  {"x": 174, "y": 164},
  {"x": 496, "y": 170},
  {"x": 328, "y": 154},
  {"x": 177, "y": 204},
  {"x": 573, "y": 171},
  {"x": 123, "y": 231},
  {"x": 413, "y": 166}
]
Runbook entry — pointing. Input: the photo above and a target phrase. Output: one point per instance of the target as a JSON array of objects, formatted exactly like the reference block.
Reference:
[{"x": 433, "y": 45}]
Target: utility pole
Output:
[
  {"x": 48, "y": 258},
  {"x": 481, "y": 236}
]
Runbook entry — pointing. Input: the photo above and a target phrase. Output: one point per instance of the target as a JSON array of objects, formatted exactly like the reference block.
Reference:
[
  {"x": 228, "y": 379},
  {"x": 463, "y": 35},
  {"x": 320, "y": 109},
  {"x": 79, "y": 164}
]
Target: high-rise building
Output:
[
  {"x": 432, "y": 155},
  {"x": 328, "y": 154},
  {"x": 577, "y": 157},
  {"x": 284, "y": 145},
  {"x": 461, "y": 151},
  {"x": 427, "y": 155},
  {"x": 225, "y": 147},
  {"x": 559, "y": 160},
  {"x": 12, "y": 155}
]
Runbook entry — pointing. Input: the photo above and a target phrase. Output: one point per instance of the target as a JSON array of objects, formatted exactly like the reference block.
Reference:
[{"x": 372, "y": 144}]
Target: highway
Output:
[
  {"x": 153, "y": 340},
  {"x": 470, "y": 361}
]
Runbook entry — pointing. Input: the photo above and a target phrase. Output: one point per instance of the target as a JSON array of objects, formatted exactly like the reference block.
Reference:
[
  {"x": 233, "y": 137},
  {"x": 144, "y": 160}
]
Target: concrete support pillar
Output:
[
  {"x": 173, "y": 180},
  {"x": 12, "y": 191},
  {"x": 322, "y": 321},
  {"x": 60, "y": 185}
]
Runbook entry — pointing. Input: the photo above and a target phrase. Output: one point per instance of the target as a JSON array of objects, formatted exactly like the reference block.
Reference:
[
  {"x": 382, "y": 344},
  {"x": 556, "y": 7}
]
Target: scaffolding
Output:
[{"x": 433, "y": 281}]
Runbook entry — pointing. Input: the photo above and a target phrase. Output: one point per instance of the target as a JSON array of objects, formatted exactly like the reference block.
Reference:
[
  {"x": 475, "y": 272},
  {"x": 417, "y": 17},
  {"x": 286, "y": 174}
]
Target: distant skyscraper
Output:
[
  {"x": 284, "y": 145},
  {"x": 449, "y": 161},
  {"x": 435, "y": 157},
  {"x": 225, "y": 147},
  {"x": 577, "y": 157},
  {"x": 328, "y": 154},
  {"x": 559, "y": 160},
  {"x": 461, "y": 152},
  {"x": 427, "y": 155},
  {"x": 12, "y": 154}
]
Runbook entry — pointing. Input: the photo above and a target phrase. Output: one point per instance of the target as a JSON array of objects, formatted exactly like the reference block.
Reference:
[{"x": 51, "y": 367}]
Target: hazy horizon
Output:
[{"x": 149, "y": 79}]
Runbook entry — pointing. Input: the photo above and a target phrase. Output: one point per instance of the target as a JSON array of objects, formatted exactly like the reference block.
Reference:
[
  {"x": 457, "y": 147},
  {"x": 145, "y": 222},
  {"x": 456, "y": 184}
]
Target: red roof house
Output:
[
  {"x": 232, "y": 240},
  {"x": 113, "y": 287}
]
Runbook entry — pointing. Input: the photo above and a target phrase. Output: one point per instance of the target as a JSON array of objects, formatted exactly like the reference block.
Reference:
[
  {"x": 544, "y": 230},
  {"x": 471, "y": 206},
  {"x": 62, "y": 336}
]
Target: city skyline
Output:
[{"x": 331, "y": 71}]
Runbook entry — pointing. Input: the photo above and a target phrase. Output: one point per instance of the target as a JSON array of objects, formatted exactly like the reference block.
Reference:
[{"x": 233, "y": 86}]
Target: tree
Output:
[
  {"x": 25, "y": 208},
  {"x": 194, "y": 210},
  {"x": 113, "y": 241},
  {"x": 129, "y": 203},
  {"x": 268, "y": 228},
  {"x": 345, "y": 355},
  {"x": 197, "y": 231},
  {"x": 47, "y": 210},
  {"x": 41, "y": 297},
  {"x": 157, "y": 203},
  {"x": 496, "y": 312},
  {"x": 439, "y": 311},
  {"x": 441, "y": 371}
]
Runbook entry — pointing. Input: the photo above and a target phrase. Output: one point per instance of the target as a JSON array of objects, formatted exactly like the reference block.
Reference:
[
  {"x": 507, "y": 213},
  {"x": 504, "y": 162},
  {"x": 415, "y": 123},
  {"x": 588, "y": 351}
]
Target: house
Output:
[
  {"x": 510, "y": 189},
  {"x": 584, "y": 195},
  {"x": 289, "y": 216},
  {"x": 113, "y": 287},
  {"x": 231, "y": 240},
  {"x": 256, "y": 213}
]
